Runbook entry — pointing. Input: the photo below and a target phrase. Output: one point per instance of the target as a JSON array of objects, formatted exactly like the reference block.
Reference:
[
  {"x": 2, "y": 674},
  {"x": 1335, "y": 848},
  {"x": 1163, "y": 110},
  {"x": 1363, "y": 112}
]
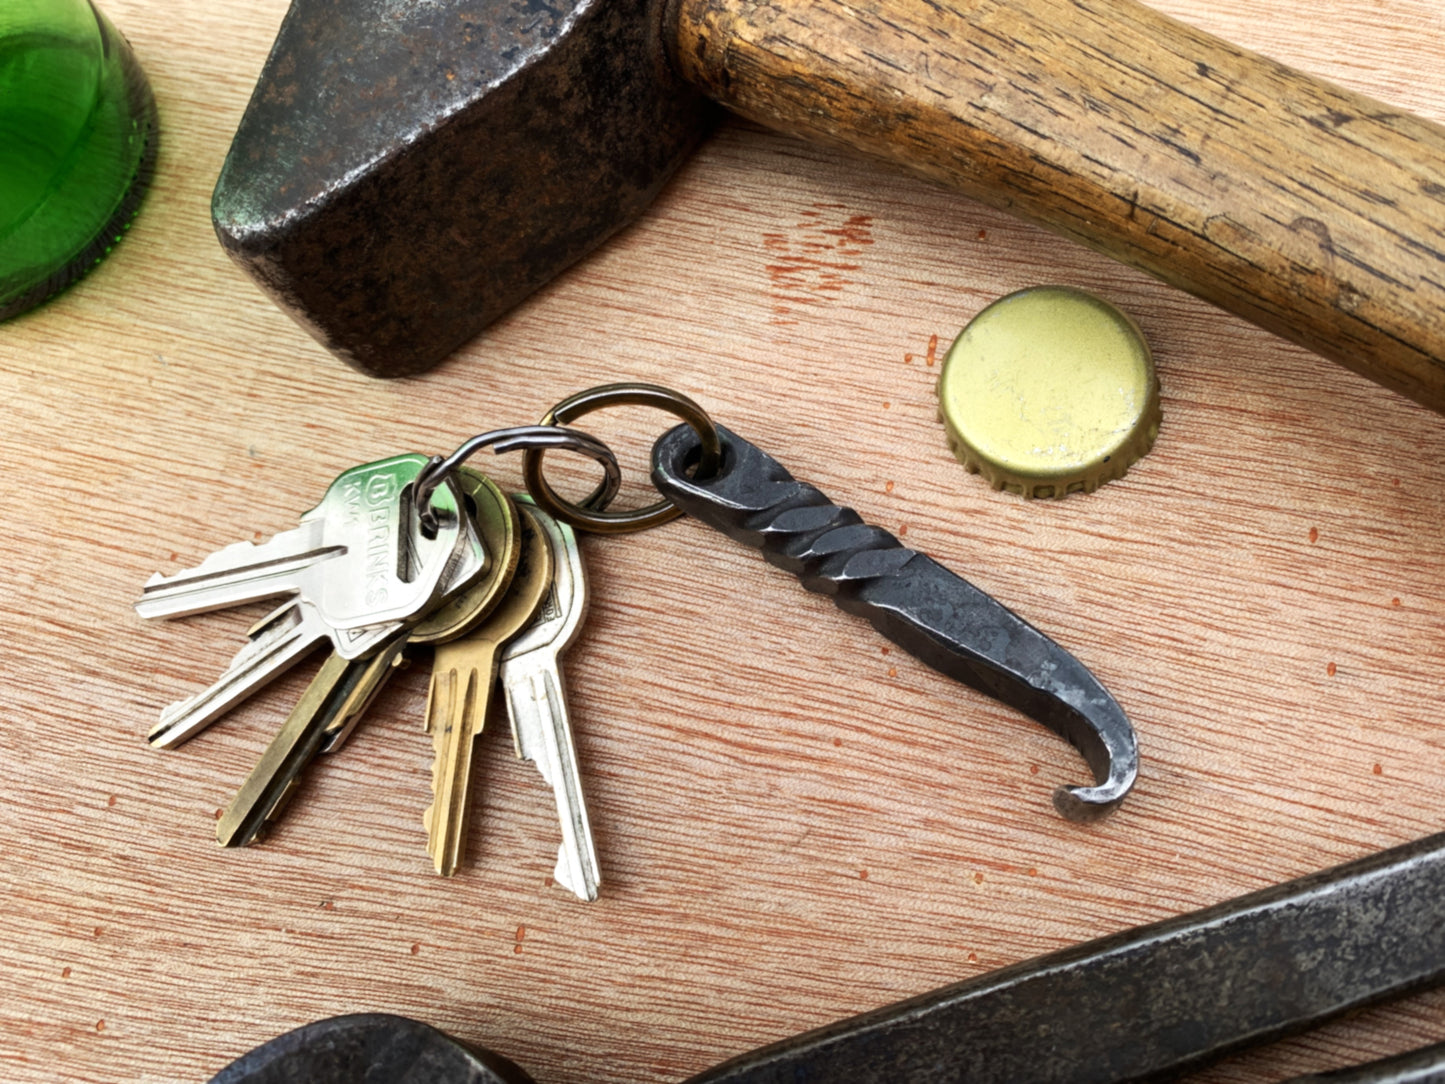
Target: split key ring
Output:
[{"x": 588, "y": 516}]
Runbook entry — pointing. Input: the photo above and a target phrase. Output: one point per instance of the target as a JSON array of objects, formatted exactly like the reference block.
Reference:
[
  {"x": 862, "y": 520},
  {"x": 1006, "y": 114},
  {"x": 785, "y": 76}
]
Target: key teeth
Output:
[{"x": 441, "y": 705}]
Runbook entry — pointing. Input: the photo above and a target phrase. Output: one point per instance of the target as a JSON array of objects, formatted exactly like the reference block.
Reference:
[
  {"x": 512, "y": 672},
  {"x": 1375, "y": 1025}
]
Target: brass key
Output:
[
  {"x": 463, "y": 675},
  {"x": 341, "y": 688}
]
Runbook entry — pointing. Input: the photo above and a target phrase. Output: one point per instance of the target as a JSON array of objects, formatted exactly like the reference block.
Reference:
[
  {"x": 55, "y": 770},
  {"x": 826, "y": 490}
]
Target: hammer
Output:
[{"x": 409, "y": 170}]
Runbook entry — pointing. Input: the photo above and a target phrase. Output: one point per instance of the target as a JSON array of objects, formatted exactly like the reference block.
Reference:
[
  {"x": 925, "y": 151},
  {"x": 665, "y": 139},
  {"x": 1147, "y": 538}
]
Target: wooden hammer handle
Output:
[{"x": 1315, "y": 212}]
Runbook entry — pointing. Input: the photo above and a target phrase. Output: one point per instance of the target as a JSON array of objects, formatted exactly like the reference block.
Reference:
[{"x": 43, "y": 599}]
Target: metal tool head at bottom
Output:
[
  {"x": 367, "y": 1047},
  {"x": 1136, "y": 1007}
]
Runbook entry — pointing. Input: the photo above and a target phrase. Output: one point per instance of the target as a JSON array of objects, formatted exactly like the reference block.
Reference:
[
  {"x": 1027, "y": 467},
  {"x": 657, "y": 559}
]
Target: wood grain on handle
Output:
[{"x": 1315, "y": 212}]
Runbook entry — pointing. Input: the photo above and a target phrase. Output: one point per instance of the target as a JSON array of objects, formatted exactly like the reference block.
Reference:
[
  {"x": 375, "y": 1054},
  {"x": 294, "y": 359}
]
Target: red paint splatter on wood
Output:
[
  {"x": 837, "y": 742},
  {"x": 99, "y": 930},
  {"x": 521, "y": 932},
  {"x": 893, "y": 671},
  {"x": 1033, "y": 769},
  {"x": 1330, "y": 669},
  {"x": 1033, "y": 871},
  {"x": 812, "y": 264},
  {"x": 415, "y": 948},
  {"x": 1314, "y": 534},
  {"x": 888, "y": 487},
  {"x": 973, "y": 957},
  {"x": 100, "y": 1025},
  {"x": 110, "y": 801},
  {"x": 65, "y": 973},
  {"x": 932, "y": 350},
  {"x": 862, "y": 875},
  {"x": 1379, "y": 769},
  {"x": 978, "y": 878},
  {"x": 1394, "y": 602},
  {"x": 907, "y": 359},
  {"x": 903, "y": 529},
  {"x": 983, "y": 235},
  {"x": 220, "y": 813}
]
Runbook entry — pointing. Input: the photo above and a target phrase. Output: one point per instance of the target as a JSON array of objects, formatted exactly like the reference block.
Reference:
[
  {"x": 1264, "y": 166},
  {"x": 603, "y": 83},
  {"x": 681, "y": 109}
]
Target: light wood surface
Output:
[{"x": 794, "y": 823}]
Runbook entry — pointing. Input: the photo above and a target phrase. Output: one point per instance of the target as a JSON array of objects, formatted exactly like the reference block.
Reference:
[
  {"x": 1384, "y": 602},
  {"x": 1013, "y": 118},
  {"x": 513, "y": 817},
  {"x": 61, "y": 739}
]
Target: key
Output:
[
  {"x": 531, "y": 678},
  {"x": 463, "y": 673},
  {"x": 287, "y": 635},
  {"x": 497, "y": 522},
  {"x": 344, "y": 690},
  {"x": 358, "y": 557},
  {"x": 342, "y": 686},
  {"x": 275, "y": 644}
]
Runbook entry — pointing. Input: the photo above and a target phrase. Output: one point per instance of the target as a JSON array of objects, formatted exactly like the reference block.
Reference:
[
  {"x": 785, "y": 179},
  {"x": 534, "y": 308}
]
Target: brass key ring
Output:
[{"x": 586, "y": 516}]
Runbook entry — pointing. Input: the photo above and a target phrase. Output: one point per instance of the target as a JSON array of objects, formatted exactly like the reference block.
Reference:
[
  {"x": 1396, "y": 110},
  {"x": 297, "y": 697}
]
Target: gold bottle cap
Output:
[{"x": 1049, "y": 391}]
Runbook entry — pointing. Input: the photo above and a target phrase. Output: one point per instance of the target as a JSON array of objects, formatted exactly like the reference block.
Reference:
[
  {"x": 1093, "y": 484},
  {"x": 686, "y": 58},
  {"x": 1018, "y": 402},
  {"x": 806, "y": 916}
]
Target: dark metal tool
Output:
[
  {"x": 1145, "y": 1005},
  {"x": 930, "y": 612},
  {"x": 366, "y": 1047}
]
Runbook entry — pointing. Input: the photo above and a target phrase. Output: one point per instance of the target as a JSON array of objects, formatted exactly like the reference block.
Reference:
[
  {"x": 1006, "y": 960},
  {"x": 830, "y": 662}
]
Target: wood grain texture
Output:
[
  {"x": 793, "y": 823},
  {"x": 1312, "y": 210}
]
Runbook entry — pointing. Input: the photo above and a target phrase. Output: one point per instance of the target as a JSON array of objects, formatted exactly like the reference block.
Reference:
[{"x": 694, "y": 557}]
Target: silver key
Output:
[
  {"x": 359, "y": 557},
  {"x": 287, "y": 635},
  {"x": 531, "y": 678},
  {"x": 275, "y": 644}
]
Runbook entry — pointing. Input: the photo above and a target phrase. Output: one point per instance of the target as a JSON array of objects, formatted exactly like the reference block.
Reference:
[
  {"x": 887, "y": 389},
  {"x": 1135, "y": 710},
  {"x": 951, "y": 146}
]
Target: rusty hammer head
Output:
[{"x": 409, "y": 170}]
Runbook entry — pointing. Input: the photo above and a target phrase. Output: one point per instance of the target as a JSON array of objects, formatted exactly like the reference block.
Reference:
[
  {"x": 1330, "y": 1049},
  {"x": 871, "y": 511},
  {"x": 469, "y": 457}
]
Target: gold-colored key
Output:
[
  {"x": 341, "y": 688},
  {"x": 463, "y": 674},
  {"x": 341, "y": 692}
]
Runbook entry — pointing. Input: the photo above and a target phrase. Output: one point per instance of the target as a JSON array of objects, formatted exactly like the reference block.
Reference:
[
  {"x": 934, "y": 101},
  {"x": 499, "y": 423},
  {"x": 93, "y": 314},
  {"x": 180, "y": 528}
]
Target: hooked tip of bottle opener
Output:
[{"x": 1090, "y": 803}]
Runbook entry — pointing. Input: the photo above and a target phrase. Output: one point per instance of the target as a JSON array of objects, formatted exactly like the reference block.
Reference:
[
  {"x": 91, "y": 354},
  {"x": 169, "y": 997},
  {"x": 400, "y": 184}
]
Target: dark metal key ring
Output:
[
  {"x": 588, "y": 515},
  {"x": 533, "y": 439}
]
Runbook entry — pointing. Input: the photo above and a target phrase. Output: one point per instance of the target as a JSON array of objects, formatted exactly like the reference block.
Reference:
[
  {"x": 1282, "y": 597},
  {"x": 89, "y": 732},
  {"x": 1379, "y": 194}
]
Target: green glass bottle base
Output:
[{"x": 94, "y": 203}]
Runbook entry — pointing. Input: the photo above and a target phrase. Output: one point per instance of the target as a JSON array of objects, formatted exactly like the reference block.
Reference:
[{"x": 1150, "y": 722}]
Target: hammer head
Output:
[{"x": 409, "y": 170}]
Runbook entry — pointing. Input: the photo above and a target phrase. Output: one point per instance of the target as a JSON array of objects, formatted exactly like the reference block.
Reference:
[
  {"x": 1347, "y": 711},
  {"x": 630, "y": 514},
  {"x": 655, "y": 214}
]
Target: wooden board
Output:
[{"x": 795, "y": 823}]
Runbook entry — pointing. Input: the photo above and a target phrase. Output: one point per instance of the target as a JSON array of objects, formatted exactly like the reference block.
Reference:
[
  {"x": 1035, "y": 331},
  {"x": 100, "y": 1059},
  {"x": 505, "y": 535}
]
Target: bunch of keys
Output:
[
  {"x": 402, "y": 554},
  {"x": 410, "y": 552}
]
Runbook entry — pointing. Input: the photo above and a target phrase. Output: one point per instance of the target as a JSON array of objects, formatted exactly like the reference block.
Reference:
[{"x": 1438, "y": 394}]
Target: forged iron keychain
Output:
[
  {"x": 708, "y": 472},
  {"x": 494, "y": 587},
  {"x": 422, "y": 553}
]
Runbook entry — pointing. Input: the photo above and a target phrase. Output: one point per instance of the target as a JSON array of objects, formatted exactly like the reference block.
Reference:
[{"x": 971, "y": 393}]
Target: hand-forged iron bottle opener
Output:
[{"x": 934, "y": 614}]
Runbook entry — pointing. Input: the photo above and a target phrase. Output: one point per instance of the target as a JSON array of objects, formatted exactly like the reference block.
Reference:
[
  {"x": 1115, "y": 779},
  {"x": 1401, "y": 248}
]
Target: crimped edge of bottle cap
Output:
[{"x": 1111, "y": 468}]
